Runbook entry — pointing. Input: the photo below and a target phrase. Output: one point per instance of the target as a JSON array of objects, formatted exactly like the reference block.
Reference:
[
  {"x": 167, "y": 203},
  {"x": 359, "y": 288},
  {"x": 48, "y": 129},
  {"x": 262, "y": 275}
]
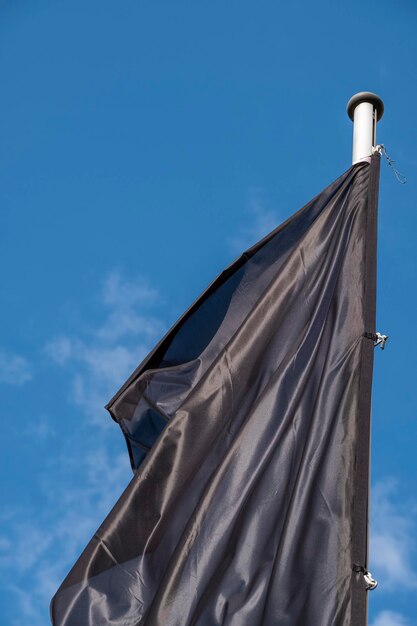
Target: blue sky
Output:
[{"x": 143, "y": 145}]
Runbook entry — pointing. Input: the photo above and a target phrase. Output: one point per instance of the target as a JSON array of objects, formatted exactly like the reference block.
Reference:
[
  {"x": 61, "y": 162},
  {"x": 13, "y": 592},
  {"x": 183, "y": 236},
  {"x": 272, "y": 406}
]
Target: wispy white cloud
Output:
[
  {"x": 27, "y": 607},
  {"x": 393, "y": 530},
  {"x": 82, "y": 481},
  {"x": 14, "y": 369},
  {"x": 389, "y": 618},
  {"x": 5, "y": 543},
  {"x": 121, "y": 323},
  {"x": 257, "y": 223},
  {"x": 122, "y": 293},
  {"x": 127, "y": 302},
  {"x": 42, "y": 551},
  {"x": 101, "y": 358},
  {"x": 39, "y": 429}
]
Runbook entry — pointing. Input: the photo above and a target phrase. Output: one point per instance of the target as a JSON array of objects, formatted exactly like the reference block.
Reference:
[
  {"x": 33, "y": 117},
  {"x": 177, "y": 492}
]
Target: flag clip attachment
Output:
[
  {"x": 378, "y": 339},
  {"x": 380, "y": 148},
  {"x": 370, "y": 581}
]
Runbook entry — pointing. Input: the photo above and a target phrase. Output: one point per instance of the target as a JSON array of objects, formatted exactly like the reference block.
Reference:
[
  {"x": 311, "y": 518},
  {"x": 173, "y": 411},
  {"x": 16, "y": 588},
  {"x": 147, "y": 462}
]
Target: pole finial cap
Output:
[{"x": 365, "y": 96}]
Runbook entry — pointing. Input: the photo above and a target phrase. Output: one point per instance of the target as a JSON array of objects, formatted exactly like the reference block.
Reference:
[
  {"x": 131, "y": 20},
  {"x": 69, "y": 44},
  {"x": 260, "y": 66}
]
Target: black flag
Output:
[{"x": 248, "y": 429}]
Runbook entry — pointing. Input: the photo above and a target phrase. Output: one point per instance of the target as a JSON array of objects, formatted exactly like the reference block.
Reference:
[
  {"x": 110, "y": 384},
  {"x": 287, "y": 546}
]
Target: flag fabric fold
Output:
[{"x": 248, "y": 430}]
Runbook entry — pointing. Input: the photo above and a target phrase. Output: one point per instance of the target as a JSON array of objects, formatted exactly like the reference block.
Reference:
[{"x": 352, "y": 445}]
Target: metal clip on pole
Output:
[{"x": 381, "y": 340}]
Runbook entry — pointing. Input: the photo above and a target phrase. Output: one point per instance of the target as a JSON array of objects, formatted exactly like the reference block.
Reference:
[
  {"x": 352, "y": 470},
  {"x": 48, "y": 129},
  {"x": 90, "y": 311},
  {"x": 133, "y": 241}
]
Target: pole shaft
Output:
[
  {"x": 364, "y": 131},
  {"x": 365, "y": 109}
]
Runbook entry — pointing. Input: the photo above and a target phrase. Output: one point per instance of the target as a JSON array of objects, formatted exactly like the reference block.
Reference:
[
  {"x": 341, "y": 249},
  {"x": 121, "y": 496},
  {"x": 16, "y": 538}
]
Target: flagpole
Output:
[{"x": 365, "y": 109}]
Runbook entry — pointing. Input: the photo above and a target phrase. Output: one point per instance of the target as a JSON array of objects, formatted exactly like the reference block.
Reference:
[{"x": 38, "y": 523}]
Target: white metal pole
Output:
[{"x": 365, "y": 109}]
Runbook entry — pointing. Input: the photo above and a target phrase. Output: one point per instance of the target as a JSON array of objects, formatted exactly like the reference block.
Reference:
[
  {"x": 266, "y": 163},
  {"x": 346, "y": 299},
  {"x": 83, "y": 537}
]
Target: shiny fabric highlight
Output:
[{"x": 243, "y": 427}]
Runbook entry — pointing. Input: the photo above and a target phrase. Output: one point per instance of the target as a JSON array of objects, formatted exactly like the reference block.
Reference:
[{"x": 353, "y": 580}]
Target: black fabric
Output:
[{"x": 248, "y": 428}]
